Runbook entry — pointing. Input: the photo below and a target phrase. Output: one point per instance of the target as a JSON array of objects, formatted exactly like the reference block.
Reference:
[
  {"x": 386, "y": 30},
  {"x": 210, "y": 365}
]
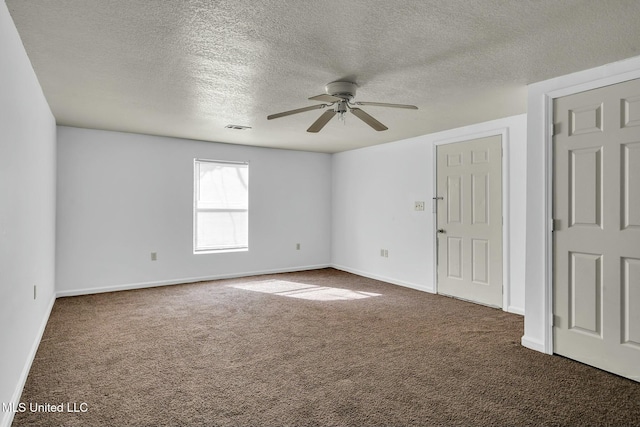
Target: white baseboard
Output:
[
  {"x": 384, "y": 279},
  {"x": 510, "y": 309},
  {"x": 533, "y": 344},
  {"x": 142, "y": 285},
  {"x": 515, "y": 310},
  {"x": 7, "y": 417}
]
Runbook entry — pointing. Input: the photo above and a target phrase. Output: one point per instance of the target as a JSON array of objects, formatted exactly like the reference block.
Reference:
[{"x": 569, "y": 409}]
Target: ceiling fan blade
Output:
[
  {"x": 384, "y": 104},
  {"x": 322, "y": 120},
  {"x": 296, "y": 111},
  {"x": 325, "y": 98},
  {"x": 368, "y": 119}
]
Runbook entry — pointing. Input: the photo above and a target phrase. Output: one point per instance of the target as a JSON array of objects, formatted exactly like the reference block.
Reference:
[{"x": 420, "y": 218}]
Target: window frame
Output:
[{"x": 196, "y": 209}]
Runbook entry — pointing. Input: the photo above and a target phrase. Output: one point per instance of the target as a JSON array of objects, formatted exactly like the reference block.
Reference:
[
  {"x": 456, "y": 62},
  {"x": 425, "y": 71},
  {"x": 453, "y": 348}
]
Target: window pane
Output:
[
  {"x": 222, "y": 230},
  {"x": 223, "y": 186}
]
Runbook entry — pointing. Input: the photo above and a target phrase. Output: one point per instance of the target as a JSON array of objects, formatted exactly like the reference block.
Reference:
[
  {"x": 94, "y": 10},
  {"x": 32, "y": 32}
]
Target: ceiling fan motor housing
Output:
[{"x": 344, "y": 90}]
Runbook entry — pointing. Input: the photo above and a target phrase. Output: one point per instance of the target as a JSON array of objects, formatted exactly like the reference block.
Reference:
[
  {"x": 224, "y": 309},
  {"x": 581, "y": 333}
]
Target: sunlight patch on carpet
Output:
[{"x": 303, "y": 291}]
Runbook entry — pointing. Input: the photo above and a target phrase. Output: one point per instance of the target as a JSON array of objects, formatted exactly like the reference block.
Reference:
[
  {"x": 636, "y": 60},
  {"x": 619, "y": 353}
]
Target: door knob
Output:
[{"x": 441, "y": 230}]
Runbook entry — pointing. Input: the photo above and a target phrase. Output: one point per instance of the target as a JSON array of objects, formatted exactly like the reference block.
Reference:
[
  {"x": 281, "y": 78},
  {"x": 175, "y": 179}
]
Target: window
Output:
[{"x": 221, "y": 206}]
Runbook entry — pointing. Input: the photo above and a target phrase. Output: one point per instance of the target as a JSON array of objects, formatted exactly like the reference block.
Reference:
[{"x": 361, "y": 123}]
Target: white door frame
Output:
[
  {"x": 503, "y": 132},
  {"x": 540, "y": 130}
]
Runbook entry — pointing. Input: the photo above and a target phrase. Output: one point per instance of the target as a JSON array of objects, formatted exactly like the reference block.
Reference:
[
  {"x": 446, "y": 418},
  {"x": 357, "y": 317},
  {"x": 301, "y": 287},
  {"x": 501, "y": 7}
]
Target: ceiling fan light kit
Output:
[{"x": 339, "y": 96}]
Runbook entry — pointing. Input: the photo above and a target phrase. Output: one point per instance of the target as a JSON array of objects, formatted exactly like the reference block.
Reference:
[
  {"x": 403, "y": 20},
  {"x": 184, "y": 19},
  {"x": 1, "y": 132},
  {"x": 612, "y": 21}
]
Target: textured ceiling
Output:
[{"x": 188, "y": 68}]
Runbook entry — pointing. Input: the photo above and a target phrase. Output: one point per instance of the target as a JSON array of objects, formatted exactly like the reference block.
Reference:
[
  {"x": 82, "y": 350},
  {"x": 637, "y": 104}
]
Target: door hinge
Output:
[
  {"x": 555, "y": 225},
  {"x": 556, "y": 129},
  {"x": 434, "y": 204}
]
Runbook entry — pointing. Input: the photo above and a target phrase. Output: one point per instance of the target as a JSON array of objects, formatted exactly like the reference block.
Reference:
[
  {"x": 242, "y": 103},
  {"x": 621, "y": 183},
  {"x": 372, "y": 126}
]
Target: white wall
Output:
[
  {"x": 538, "y": 310},
  {"x": 27, "y": 213},
  {"x": 374, "y": 190},
  {"x": 122, "y": 196},
  {"x": 373, "y": 194}
]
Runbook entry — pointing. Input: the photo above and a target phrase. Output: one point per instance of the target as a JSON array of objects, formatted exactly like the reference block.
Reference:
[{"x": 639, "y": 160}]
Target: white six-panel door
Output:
[
  {"x": 596, "y": 210},
  {"x": 469, "y": 217}
]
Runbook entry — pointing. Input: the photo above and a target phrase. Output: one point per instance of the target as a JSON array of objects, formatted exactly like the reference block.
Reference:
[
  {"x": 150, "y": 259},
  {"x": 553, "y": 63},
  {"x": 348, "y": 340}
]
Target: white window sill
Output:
[{"x": 219, "y": 251}]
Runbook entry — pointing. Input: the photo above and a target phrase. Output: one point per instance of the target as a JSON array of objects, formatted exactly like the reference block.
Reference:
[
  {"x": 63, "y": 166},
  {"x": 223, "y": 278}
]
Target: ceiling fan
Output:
[{"x": 339, "y": 99}]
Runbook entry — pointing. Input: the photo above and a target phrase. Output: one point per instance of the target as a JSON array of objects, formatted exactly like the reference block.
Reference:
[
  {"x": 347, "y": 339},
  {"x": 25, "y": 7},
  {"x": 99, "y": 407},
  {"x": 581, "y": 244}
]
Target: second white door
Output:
[
  {"x": 596, "y": 241},
  {"x": 469, "y": 185}
]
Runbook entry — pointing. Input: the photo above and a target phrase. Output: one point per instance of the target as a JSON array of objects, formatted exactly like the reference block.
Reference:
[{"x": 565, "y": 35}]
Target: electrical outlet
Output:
[
  {"x": 297, "y": 246},
  {"x": 154, "y": 256},
  {"x": 386, "y": 253},
  {"x": 419, "y": 206}
]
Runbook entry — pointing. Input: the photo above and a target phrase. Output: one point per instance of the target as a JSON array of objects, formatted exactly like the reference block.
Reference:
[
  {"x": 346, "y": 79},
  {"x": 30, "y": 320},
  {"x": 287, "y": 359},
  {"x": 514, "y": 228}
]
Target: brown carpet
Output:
[{"x": 211, "y": 354}]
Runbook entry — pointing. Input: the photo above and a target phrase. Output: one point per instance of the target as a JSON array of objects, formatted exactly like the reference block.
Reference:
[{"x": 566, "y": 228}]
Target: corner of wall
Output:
[{"x": 7, "y": 418}]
